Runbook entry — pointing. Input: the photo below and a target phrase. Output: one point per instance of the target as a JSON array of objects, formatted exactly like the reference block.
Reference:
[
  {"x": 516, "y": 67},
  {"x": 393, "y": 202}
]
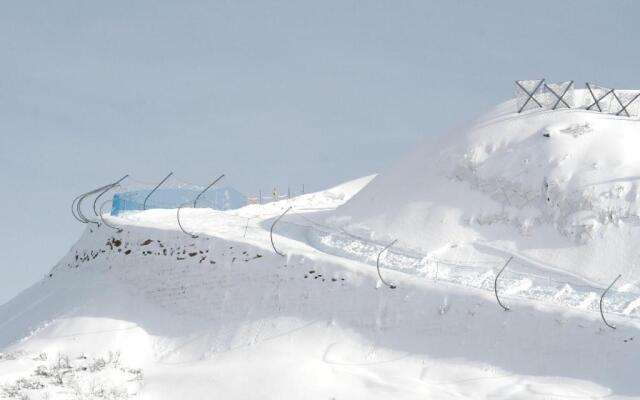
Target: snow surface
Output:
[
  {"x": 150, "y": 312},
  {"x": 153, "y": 313},
  {"x": 556, "y": 189}
]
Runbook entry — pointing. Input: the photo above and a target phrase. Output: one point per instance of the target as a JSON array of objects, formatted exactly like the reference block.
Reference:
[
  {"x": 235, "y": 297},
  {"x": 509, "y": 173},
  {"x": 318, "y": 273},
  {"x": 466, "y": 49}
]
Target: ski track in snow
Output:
[{"x": 544, "y": 286}]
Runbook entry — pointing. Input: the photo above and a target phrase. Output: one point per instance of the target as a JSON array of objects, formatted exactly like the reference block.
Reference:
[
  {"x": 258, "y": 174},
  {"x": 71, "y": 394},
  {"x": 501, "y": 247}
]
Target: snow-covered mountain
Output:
[
  {"x": 149, "y": 312},
  {"x": 558, "y": 188}
]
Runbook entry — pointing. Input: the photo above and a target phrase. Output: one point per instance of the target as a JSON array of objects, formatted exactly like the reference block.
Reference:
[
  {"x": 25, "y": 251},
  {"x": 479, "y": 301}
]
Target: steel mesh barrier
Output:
[
  {"x": 538, "y": 94},
  {"x": 558, "y": 95},
  {"x": 173, "y": 193},
  {"x": 529, "y": 94}
]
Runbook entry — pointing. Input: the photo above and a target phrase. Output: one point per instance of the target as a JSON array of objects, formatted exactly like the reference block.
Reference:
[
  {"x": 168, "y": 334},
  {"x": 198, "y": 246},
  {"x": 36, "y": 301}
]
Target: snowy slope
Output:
[
  {"x": 557, "y": 189},
  {"x": 153, "y": 313}
]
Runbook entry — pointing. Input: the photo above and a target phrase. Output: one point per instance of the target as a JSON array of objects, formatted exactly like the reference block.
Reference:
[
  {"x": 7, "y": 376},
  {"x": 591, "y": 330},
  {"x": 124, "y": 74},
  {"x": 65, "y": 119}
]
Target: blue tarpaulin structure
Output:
[{"x": 224, "y": 198}]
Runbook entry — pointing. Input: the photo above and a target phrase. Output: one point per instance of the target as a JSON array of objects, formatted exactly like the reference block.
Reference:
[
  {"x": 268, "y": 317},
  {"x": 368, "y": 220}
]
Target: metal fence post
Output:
[
  {"x": 530, "y": 95},
  {"x": 392, "y": 286},
  {"x": 73, "y": 208},
  {"x": 193, "y": 235},
  {"x": 113, "y": 185},
  {"x": 246, "y": 227},
  {"x": 495, "y": 285},
  {"x": 624, "y": 106},
  {"x": 205, "y": 189},
  {"x": 559, "y": 96},
  {"x": 271, "y": 231},
  {"x": 144, "y": 205},
  {"x": 597, "y": 100},
  {"x": 104, "y": 222},
  {"x": 76, "y": 205},
  {"x": 79, "y": 212},
  {"x": 602, "y": 297}
]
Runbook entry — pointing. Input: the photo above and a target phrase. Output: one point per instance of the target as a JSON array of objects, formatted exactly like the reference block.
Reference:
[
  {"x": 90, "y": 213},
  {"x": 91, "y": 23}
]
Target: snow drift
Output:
[{"x": 557, "y": 188}]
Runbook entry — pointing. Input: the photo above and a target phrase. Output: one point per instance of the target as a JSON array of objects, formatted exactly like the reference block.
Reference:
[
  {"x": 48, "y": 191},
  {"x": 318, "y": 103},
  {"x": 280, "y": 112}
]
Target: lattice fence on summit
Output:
[{"x": 538, "y": 94}]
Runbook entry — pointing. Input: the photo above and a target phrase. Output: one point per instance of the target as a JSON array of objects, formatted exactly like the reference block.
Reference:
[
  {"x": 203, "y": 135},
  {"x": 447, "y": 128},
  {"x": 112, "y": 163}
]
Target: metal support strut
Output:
[
  {"x": 104, "y": 222},
  {"x": 73, "y": 208},
  {"x": 602, "y": 297},
  {"x": 597, "y": 100},
  {"x": 530, "y": 95},
  {"x": 205, "y": 189},
  {"x": 76, "y": 205},
  {"x": 144, "y": 205},
  {"x": 79, "y": 206},
  {"x": 559, "y": 96},
  {"x": 392, "y": 286},
  {"x": 193, "y": 235},
  {"x": 271, "y": 231},
  {"x": 113, "y": 185},
  {"x": 195, "y": 203},
  {"x": 495, "y": 285},
  {"x": 624, "y": 106}
]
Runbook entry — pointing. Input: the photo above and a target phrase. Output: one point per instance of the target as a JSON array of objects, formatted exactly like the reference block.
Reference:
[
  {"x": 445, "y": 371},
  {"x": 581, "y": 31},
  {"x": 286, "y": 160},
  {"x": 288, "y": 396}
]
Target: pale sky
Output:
[{"x": 270, "y": 93}]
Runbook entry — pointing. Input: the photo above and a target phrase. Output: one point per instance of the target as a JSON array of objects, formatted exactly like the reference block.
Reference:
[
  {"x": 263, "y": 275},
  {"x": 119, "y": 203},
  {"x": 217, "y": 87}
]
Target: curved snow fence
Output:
[{"x": 224, "y": 198}]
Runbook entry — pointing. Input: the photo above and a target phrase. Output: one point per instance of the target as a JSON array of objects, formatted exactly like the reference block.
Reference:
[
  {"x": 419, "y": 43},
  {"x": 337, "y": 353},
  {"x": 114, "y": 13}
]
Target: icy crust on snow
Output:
[{"x": 560, "y": 187}]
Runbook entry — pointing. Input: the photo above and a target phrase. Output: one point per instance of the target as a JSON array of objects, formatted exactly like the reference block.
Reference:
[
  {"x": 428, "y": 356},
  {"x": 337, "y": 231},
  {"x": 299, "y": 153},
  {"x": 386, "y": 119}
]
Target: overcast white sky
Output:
[{"x": 271, "y": 93}]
